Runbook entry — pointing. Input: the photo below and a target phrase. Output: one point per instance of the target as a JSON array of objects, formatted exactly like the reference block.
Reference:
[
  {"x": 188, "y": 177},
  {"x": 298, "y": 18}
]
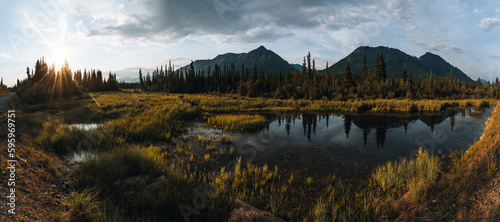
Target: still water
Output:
[
  {"x": 351, "y": 145},
  {"x": 85, "y": 126}
]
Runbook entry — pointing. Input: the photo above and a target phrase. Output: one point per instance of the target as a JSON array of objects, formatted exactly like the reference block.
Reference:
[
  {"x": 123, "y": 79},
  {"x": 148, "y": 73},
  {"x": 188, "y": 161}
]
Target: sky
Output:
[{"x": 123, "y": 36}]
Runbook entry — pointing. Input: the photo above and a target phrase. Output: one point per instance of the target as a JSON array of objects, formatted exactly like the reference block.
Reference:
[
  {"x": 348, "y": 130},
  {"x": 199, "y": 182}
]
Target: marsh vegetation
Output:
[
  {"x": 143, "y": 166},
  {"x": 146, "y": 167}
]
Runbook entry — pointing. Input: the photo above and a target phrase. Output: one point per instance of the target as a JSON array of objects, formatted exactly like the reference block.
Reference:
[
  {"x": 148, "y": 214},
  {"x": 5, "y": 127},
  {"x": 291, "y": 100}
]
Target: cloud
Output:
[
  {"x": 440, "y": 46},
  {"x": 488, "y": 23},
  {"x": 5, "y": 56},
  {"x": 168, "y": 21}
]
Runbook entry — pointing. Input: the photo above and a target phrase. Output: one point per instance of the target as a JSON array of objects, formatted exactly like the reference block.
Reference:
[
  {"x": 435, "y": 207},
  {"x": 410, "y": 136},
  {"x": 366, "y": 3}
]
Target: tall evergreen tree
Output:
[
  {"x": 366, "y": 67},
  {"x": 141, "y": 80},
  {"x": 348, "y": 77},
  {"x": 405, "y": 75},
  {"x": 28, "y": 72},
  {"x": 380, "y": 67}
]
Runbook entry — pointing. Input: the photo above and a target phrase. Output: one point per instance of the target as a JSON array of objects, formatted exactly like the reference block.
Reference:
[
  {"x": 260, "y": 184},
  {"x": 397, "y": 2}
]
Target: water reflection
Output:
[
  {"x": 381, "y": 123},
  {"x": 85, "y": 126},
  {"x": 351, "y": 144}
]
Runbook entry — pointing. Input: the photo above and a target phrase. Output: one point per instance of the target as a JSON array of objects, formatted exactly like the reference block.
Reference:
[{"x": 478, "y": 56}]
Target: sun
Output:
[{"x": 58, "y": 57}]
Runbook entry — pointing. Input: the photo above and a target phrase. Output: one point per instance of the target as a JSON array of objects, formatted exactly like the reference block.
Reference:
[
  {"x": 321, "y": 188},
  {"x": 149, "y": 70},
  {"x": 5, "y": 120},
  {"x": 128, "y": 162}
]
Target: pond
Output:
[
  {"x": 352, "y": 145},
  {"x": 85, "y": 126},
  {"x": 80, "y": 155}
]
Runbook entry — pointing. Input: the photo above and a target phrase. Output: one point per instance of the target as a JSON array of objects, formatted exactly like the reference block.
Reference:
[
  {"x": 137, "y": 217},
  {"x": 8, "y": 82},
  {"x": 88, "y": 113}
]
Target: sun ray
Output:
[
  {"x": 58, "y": 57},
  {"x": 37, "y": 30}
]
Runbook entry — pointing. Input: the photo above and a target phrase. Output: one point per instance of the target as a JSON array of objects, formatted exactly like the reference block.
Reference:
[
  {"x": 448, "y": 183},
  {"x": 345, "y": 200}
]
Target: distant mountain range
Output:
[
  {"x": 266, "y": 60},
  {"x": 395, "y": 60}
]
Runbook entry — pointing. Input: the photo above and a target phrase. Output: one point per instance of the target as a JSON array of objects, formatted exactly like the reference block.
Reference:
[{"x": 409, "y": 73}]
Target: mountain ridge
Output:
[
  {"x": 267, "y": 60},
  {"x": 395, "y": 60}
]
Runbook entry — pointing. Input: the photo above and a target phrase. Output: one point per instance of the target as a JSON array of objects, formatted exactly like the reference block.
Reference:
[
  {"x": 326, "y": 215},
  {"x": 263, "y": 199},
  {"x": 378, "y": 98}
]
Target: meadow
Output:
[
  {"x": 233, "y": 103},
  {"x": 242, "y": 123},
  {"x": 143, "y": 170}
]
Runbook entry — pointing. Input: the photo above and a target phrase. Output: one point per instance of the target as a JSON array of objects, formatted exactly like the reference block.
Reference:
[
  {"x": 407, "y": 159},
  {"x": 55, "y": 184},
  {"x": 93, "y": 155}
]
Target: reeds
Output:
[
  {"x": 54, "y": 136},
  {"x": 86, "y": 206},
  {"x": 241, "y": 123},
  {"x": 138, "y": 182},
  {"x": 415, "y": 175},
  {"x": 157, "y": 123},
  {"x": 229, "y": 104}
]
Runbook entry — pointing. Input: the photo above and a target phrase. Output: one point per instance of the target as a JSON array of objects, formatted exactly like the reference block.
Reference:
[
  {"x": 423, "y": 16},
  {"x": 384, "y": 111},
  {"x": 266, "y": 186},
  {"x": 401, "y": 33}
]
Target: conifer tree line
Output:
[
  {"x": 309, "y": 84},
  {"x": 45, "y": 83}
]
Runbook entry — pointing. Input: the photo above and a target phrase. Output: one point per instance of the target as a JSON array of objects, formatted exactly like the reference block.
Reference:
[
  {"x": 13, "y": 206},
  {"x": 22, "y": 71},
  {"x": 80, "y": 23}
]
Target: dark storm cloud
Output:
[{"x": 248, "y": 21}]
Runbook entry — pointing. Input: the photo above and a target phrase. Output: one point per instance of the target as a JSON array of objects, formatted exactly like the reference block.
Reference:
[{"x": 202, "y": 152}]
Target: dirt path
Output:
[
  {"x": 4, "y": 100},
  {"x": 41, "y": 178}
]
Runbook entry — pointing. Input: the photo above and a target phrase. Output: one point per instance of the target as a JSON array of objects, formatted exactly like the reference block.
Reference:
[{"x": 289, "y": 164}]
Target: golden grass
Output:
[
  {"x": 138, "y": 182},
  {"x": 54, "y": 136},
  {"x": 85, "y": 206},
  {"x": 241, "y": 123},
  {"x": 142, "y": 184},
  {"x": 473, "y": 170},
  {"x": 231, "y": 103},
  {"x": 409, "y": 175}
]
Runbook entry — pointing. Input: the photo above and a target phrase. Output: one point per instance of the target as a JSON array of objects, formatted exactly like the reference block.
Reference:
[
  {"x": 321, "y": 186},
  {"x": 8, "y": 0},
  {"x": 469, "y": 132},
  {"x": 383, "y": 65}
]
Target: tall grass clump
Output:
[
  {"x": 320, "y": 210},
  {"x": 85, "y": 206},
  {"x": 239, "y": 123},
  {"x": 154, "y": 123},
  {"x": 257, "y": 186},
  {"x": 416, "y": 175},
  {"x": 344, "y": 202},
  {"x": 138, "y": 182},
  {"x": 55, "y": 136}
]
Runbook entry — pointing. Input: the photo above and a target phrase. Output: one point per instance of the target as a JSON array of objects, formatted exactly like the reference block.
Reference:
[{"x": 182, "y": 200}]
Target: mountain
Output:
[
  {"x": 297, "y": 67},
  {"x": 264, "y": 59},
  {"x": 484, "y": 81},
  {"x": 395, "y": 60},
  {"x": 221, "y": 60},
  {"x": 128, "y": 79},
  {"x": 440, "y": 66}
]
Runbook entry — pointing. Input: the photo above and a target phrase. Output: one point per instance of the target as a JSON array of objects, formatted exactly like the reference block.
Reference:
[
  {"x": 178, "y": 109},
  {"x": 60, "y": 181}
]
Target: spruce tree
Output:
[
  {"x": 377, "y": 67},
  {"x": 141, "y": 80},
  {"x": 405, "y": 75},
  {"x": 348, "y": 78},
  {"x": 383, "y": 71},
  {"x": 380, "y": 67},
  {"x": 28, "y": 72},
  {"x": 366, "y": 68}
]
